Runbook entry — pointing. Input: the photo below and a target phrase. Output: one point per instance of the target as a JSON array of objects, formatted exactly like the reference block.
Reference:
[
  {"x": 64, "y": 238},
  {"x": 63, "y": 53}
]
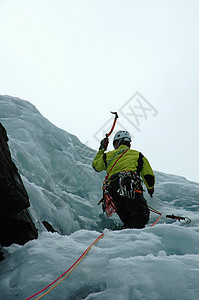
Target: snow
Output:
[{"x": 160, "y": 262}]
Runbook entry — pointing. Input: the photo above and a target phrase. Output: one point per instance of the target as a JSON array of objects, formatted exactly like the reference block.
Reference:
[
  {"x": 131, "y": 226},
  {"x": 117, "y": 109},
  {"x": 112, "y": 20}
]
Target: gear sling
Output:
[{"x": 130, "y": 183}]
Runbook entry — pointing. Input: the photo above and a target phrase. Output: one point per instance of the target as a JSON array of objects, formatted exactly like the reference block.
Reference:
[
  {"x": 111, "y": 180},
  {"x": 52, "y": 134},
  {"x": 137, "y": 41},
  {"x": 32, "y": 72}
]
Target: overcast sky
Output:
[{"x": 78, "y": 60}]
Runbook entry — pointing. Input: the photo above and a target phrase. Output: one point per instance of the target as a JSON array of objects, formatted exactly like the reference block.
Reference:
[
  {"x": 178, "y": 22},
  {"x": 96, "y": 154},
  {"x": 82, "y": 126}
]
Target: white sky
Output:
[{"x": 78, "y": 60}]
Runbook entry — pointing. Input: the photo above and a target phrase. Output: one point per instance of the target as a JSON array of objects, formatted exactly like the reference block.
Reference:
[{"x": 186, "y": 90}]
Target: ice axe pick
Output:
[{"x": 114, "y": 122}]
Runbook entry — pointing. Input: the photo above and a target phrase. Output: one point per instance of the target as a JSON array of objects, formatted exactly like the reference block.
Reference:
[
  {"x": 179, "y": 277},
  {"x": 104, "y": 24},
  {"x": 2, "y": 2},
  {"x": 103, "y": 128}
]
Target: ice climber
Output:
[{"x": 124, "y": 168}]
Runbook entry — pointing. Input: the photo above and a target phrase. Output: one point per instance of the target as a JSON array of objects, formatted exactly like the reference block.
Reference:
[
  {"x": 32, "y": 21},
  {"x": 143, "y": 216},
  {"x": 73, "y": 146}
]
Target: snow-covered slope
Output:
[{"x": 161, "y": 262}]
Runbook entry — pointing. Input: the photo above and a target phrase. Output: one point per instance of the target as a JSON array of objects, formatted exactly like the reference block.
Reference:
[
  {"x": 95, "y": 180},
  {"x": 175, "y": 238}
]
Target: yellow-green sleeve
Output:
[
  {"x": 98, "y": 162},
  {"x": 147, "y": 174}
]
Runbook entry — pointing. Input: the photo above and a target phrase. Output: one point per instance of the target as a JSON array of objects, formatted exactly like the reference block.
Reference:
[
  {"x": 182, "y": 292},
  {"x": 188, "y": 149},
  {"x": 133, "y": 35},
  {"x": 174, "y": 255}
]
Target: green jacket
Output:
[{"x": 128, "y": 162}]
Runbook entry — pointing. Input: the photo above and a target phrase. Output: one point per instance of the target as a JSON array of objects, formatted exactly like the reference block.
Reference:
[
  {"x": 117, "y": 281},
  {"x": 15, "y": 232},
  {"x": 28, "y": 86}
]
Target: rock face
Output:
[{"x": 16, "y": 225}]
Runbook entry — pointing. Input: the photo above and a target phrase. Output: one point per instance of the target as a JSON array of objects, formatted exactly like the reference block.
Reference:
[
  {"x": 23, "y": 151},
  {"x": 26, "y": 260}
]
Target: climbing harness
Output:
[
  {"x": 66, "y": 273},
  {"x": 129, "y": 184}
]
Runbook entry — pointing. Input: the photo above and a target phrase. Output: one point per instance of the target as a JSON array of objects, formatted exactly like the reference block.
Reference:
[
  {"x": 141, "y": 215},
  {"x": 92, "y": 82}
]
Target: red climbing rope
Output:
[
  {"x": 73, "y": 266},
  {"x": 110, "y": 206},
  {"x": 156, "y": 212}
]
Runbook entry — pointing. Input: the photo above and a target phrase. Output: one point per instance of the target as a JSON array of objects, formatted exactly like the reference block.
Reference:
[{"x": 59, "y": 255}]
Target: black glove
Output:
[
  {"x": 151, "y": 191},
  {"x": 104, "y": 144}
]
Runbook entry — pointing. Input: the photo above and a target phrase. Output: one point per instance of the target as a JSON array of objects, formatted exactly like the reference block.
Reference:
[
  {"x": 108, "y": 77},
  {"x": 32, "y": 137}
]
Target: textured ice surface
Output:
[{"x": 161, "y": 262}]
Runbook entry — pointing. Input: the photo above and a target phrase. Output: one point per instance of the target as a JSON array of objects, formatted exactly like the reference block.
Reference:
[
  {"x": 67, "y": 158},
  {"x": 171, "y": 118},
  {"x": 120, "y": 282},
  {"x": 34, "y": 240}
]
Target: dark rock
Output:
[
  {"x": 13, "y": 197},
  {"x": 17, "y": 229},
  {"x": 1, "y": 254},
  {"x": 16, "y": 225},
  {"x": 49, "y": 227}
]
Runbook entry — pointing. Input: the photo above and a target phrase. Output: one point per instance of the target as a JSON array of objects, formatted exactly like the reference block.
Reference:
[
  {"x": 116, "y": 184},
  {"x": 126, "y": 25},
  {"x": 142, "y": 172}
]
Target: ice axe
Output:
[
  {"x": 114, "y": 122},
  {"x": 105, "y": 141},
  {"x": 186, "y": 219}
]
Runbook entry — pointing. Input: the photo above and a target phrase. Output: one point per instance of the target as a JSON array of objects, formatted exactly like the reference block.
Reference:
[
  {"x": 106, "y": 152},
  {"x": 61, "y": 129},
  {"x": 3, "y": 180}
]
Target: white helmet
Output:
[{"x": 121, "y": 136}]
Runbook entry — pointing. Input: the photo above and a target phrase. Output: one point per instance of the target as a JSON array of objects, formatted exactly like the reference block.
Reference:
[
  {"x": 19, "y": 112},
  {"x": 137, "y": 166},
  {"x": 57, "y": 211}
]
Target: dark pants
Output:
[{"x": 134, "y": 213}]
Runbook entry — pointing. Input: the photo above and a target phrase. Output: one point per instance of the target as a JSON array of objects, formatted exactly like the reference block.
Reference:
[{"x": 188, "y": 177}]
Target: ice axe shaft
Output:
[{"x": 113, "y": 126}]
